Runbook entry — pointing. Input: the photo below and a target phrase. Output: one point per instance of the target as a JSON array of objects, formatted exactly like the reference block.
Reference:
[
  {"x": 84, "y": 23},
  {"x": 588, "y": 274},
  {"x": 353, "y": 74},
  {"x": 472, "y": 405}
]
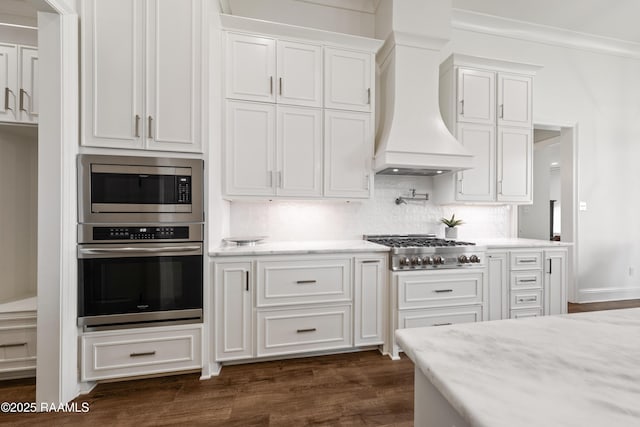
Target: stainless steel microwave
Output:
[{"x": 126, "y": 189}]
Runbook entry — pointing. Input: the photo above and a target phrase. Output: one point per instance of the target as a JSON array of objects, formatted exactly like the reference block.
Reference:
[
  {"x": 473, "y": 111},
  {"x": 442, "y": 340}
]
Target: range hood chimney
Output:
[{"x": 412, "y": 138}]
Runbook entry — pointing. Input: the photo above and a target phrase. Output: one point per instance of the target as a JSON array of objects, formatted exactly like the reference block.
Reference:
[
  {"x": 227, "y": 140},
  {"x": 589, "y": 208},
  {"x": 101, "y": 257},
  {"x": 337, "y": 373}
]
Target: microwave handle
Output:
[{"x": 128, "y": 250}]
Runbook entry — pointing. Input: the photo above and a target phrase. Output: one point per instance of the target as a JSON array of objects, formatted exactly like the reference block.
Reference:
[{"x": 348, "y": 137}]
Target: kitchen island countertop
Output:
[{"x": 572, "y": 370}]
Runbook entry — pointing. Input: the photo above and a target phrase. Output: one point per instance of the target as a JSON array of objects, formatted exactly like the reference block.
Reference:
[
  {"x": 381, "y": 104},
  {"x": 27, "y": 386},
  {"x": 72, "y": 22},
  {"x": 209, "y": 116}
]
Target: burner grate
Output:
[{"x": 417, "y": 241}]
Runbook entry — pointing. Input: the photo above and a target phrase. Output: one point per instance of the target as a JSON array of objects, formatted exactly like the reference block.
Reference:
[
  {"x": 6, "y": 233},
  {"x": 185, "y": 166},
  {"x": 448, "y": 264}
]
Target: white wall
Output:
[
  {"x": 600, "y": 93},
  {"x": 18, "y": 211},
  {"x": 327, "y": 220}
]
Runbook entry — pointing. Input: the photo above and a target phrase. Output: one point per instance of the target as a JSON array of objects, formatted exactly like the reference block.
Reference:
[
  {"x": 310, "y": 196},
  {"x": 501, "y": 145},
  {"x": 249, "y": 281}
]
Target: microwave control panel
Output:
[{"x": 140, "y": 233}]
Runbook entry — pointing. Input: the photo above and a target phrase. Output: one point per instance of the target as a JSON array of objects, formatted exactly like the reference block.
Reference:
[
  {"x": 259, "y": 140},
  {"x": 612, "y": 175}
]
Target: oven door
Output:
[{"x": 139, "y": 282}]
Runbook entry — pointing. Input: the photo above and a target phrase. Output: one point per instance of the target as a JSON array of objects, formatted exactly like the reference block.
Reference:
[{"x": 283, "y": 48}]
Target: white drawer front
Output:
[
  {"x": 17, "y": 348},
  {"x": 526, "y": 279},
  {"x": 526, "y": 260},
  {"x": 527, "y": 312},
  {"x": 436, "y": 289},
  {"x": 302, "y": 330},
  {"x": 303, "y": 281},
  {"x": 439, "y": 316},
  {"x": 112, "y": 355},
  {"x": 526, "y": 298}
]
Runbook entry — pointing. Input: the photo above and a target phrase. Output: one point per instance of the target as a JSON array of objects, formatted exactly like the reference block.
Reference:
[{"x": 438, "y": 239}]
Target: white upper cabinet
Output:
[
  {"x": 515, "y": 152},
  {"x": 299, "y": 74},
  {"x": 250, "y": 148},
  {"x": 476, "y": 96},
  {"x": 18, "y": 83},
  {"x": 478, "y": 183},
  {"x": 250, "y": 68},
  {"x": 514, "y": 100},
  {"x": 299, "y": 151},
  {"x": 142, "y": 74},
  {"x": 265, "y": 70},
  {"x": 348, "y": 80},
  {"x": 348, "y": 154},
  {"x": 28, "y": 84}
]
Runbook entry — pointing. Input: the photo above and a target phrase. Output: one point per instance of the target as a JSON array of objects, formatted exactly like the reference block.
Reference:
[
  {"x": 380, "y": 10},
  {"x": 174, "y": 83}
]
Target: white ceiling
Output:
[{"x": 607, "y": 18}]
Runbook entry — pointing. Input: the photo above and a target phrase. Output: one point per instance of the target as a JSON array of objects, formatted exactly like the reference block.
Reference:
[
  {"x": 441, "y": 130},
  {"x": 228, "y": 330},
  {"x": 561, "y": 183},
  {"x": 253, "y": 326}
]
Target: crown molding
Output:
[
  {"x": 511, "y": 28},
  {"x": 363, "y": 6}
]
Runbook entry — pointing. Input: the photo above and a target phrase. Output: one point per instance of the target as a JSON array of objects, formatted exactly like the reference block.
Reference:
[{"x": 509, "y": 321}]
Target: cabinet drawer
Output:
[
  {"x": 439, "y": 316},
  {"x": 17, "y": 348},
  {"x": 149, "y": 351},
  {"x": 526, "y": 279},
  {"x": 436, "y": 289},
  {"x": 526, "y": 260},
  {"x": 527, "y": 312},
  {"x": 302, "y": 330},
  {"x": 303, "y": 281},
  {"x": 526, "y": 298}
]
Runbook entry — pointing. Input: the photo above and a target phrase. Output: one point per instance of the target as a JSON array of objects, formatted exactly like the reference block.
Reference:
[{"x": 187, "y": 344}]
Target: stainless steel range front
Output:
[{"x": 427, "y": 252}]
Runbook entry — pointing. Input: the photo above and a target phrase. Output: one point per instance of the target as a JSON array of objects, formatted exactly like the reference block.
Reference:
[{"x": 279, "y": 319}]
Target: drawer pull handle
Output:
[
  {"x": 146, "y": 353},
  {"x": 527, "y": 280},
  {"x": 302, "y": 282},
  {"x": 441, "y": 291},
  {"x": 531, "y": 299},
  {"x": 442, "y": 324},
  {"x": 306, "y": 330},
  {"x": 528, "y": 261},
  {"x": 371, "y": 261},
  {"x": 15, "y": 344}
]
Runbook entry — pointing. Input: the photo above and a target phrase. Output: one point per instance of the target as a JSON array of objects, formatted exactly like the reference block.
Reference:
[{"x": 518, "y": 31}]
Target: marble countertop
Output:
[
  {"x": 573, "y": 370},
  {"x": 300, "y": 247},
  {"x": 516, "y": 243},
  {"x": 26, "y": 304}
]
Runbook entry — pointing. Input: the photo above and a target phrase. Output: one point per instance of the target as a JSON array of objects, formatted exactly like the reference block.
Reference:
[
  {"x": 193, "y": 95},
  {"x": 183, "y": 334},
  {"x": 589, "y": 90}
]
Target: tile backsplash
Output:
[{"x": 337, "y": 220}]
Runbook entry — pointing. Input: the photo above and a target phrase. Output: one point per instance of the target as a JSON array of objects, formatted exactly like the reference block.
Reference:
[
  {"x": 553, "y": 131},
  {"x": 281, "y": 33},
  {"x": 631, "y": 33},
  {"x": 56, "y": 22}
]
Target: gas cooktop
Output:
[{"x": 426, "y": 251}]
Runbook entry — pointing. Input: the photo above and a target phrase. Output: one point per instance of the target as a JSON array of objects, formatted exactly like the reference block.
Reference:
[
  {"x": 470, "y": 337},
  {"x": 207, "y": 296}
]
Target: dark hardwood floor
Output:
[{"x": 352, "y": 389}]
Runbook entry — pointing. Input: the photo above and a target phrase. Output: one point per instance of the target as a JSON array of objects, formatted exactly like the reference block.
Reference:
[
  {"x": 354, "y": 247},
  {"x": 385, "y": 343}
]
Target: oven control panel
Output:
[{"x": 140, "y": 233}]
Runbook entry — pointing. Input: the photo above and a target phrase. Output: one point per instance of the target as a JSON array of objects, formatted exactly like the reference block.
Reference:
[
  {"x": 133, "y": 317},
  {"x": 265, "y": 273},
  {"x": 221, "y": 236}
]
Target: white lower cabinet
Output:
[
  {"x": 17, "y": 345},
  {"x": 527, "y": 282},
  {"x": 280, "y": 305},
  {"x": 143, "y": 351}
]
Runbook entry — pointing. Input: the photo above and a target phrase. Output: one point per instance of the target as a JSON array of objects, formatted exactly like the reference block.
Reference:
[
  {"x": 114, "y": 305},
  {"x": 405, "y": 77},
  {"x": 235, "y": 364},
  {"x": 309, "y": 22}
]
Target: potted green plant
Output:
[{"x": 450, "y": 231}]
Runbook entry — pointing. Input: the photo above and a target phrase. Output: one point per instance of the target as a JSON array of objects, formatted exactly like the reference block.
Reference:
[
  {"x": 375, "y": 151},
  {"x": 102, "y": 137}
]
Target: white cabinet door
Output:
[
  {"x": 299, "y": 74},
  {"x": 348, "y": 80},
  {"x": 250, "y": 148},
  {"x": 479, "y": 182},
  {"x": 8, "y": 82},
  {"x": 250, "y": 68},
  {"x": 555, "y": 282},
  {"x": 233, "y": 311},
  {"x": 476, "y": 96},
  {"x": 498, "y": 276},
  {"x": 299, "y": 151},
  {"x": 369, "y": 314},
  {"x": 28, "y": 84},
  {"x": 515, "y": 152},
  {"x": 112, "y": 73},
  {"x": 348, "y": 152},
  {"x": 173, "y": 74},
  {"x": 514, "y": 100}
]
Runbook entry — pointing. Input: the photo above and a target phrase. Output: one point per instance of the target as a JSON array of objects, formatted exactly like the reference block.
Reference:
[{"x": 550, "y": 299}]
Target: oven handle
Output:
[{"x": 129, "y": 251}]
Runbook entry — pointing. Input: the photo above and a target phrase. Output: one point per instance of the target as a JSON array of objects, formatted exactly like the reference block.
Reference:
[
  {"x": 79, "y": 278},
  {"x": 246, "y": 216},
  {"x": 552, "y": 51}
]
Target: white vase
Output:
[{"x": 450, "y": 233}]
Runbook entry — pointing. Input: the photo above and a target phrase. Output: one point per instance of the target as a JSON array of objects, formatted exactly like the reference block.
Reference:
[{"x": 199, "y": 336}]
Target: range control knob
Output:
[
  {"x": 416, "y": 261},
  {"x": 462, "y": 259},
  {"x": 474, "y": 258},
  {"x": 438, "y": 260},
  {"x": 405, "y": 261}
]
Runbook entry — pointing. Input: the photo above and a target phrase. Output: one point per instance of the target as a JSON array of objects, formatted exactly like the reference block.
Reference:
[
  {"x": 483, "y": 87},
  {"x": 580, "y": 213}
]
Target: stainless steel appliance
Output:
[
  {"x": 124, "y": 189},
  {"x": 426, "y": 252},
  {"x": 140, "y": 241}
]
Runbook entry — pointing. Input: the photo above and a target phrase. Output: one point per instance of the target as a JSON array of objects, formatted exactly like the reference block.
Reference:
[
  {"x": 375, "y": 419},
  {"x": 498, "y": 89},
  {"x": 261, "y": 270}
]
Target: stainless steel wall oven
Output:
[{"x": 140, "y": 241}]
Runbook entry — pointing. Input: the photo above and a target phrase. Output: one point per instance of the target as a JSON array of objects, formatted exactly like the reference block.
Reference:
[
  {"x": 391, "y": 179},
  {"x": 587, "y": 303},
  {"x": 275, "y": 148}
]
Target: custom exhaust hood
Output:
[{"x": 412, "y": 138}]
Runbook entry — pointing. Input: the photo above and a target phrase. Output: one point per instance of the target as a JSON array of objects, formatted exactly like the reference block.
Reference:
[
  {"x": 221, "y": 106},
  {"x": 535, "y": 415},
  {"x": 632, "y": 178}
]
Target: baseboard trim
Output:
[{"x": 607, "y": 294}]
